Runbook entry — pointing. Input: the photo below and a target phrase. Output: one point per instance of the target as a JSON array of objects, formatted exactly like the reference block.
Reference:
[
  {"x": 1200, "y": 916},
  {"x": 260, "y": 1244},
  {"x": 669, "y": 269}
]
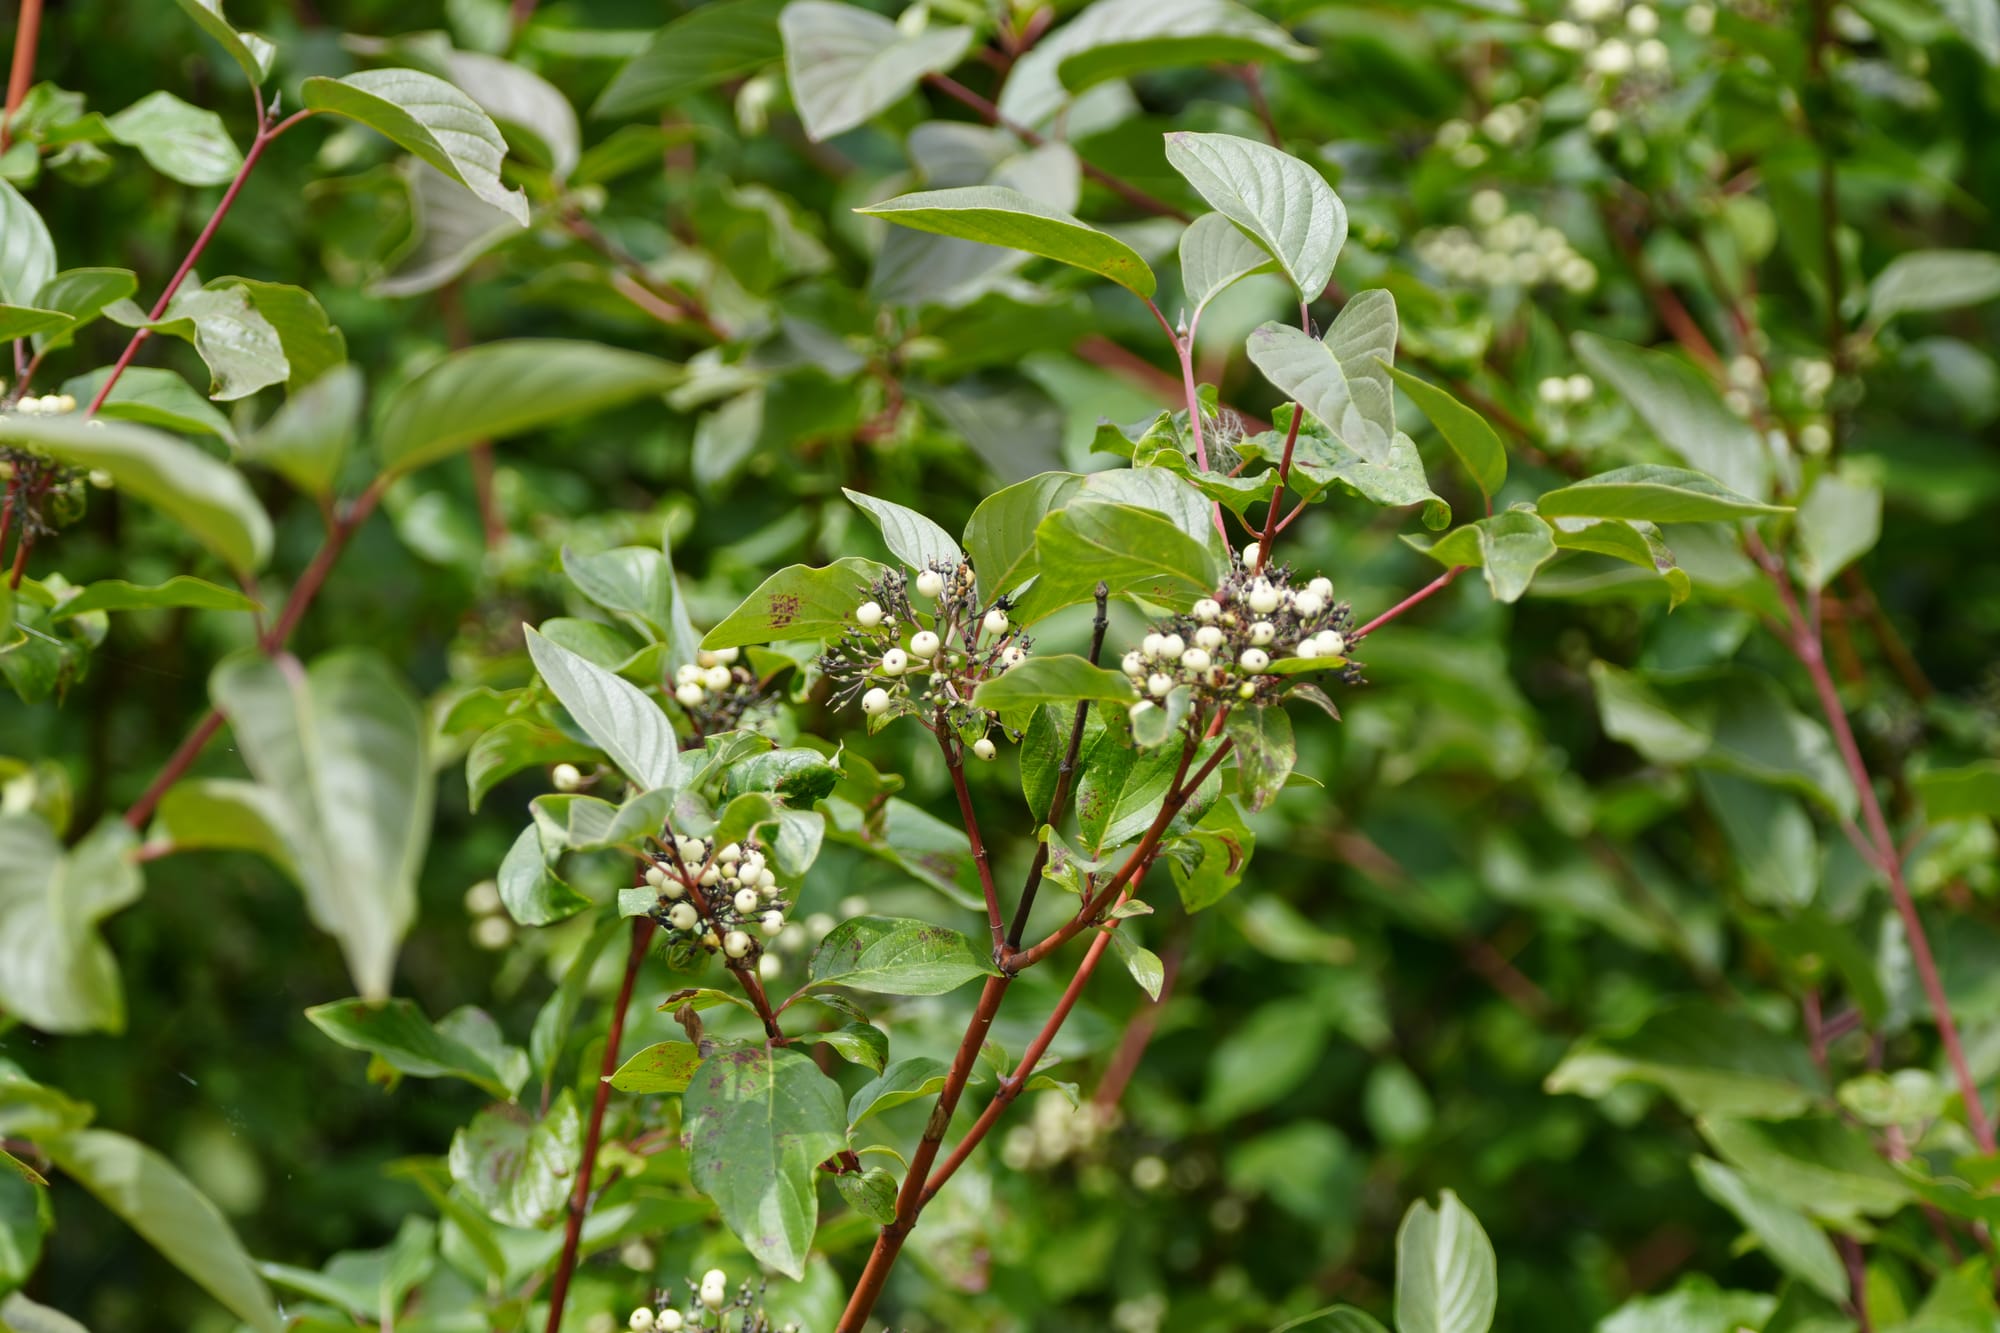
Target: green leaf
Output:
[
  {"x": 1001, "y": 534},
  {"x": 1828, "y": 1167},
  {"x": 181, "y": 590},
  {"x": 307, "y": 439},
  {"x": 912, "y": 537},
  {"x": 1635, "y": 543},
  {"x": 799, "y": 602},
  {"x": 83, "y": 294},
  {"x": 1786, "y": 1234},
  {"x": 1343, "y": 379},
  {"x": 424, "y": 115},
  {"x": 703, "y": 47},
  {"x": 1144, "y": 965},
  {"x": 523, "y": 101},
  {"x": 1475, "y": 443},
  {"x": 1839, "y": 521},
  {"x": 1120, "y": 38},
  {"x": 871, "y": 1193},
  {"x": 902, "y": 1082},
  {"x": 153, "y": 397},
  {"x": 339, "y": 750},
  {"x": 1265, "y": 752},
  {"x": 19, "y": 321},
  {"x": 634, "y": 582},
  {"x": 1970, "y": 792},
  {"x": 60, "y": 976},
  {"x": 1121, "y": 791},
  {"x": 1684, "y": 410},
  {"x": 177, "y": 1219},
  {"x": 1215, "y": 255},
  {"x": 1446, "y": 1278},
  {"x": 857, "y": 1043},
  {"x": 1335, "y": 1319},
  {"x": 665, "y": 1066},
  {"x": 1771, "y": 836},
  {"x": 1283, "y": 204},
  {"x": 1632, "y": 713},
  {"x": 520, "y": 1170},
  {"x": 759, "y": 1121},
  {"x": 1131, "y": 550},
  {"x": 251, "y": 53},
  {"x": 996, "y": 216},
  {"x": 1508, "y": 548},
  {"x": 1653, "y": 493},
  {"x": 312, "y": 345},
  {"x": 624, "y": 722},
  {"x": 1695, "y": 1305},
  {"x": 182, "y": 142},
  {"x": 27, "y": 254},
  {"x": 1320, "y": 461},
  {"x": 529, "y": 889},
  {"x": 498, "y": 389},
  {"x": 895, "y": 956},
  {"x": 21, "y": 1315},
  {"x": 397, "y": 1032},
  {"x": 1709, "y": 1060},
  {"x": 846, "y": 64},
  {"x": 1060, "y": 679},
  {"x": 240, "y": 347},
  {"x": 1927, "y": 280}
]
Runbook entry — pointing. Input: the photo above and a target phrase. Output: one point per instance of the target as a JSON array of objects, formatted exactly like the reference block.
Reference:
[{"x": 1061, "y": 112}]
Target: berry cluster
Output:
[
  {"x": 717, "y": 899},
  {"x": 895, "y": 663},
  {"x": 710, "y": 1306},
  {"x": 492, "y": 928},
  {"x": 1505, "y": 247},
  {"x": 715, "y": 692},
  {"x": 1225, "y": 646},
  {"x": 49, "y": 404}
]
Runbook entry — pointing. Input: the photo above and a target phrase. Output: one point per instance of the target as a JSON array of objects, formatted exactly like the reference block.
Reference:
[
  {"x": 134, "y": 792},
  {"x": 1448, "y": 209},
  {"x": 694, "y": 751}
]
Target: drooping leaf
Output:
[
  {"x": 894, "y": 956},
  {"x": 704, "y": 46},
  {"x": 20, "y": 321},
  {"x": 1926, "y": 280},
  {"x": 1265, "y": 752},
  {"x": 529, "y": 889},
  {"x": 1475, "y": 443},
  {"x": 521, "y": 100},
  {"x": 1634, "y": 542},
  {"x": 181, "y": 590},
  {"x": 152, "y": 396},
  {"x": 798, "y": 602},
  {"x": 1121, "y": 38},
  {"x": 422, "y": 114},
  {"x": 519, "y": 1169},
  {"x": 666, "y": 1066},
  {"x": 60, "y": 976},
  {"x": 339, "y": 752},
  {"x": 498, "y": 389},
  {"x": 1684, "y": 410},
  {"x": 1786, "y": 1234},
  {"x": 185, "y": 143},
  {"x": 1507, "y": 548},
  {"x": 27, "y": 254},
  {"x": 759, "y": 1120},
  {"x": 397, "y": 1032},
  {"x": 241, "y": 348},
  {"x": 1710, "y": 1061},
  {"x": 1283, "y": 204},
  {"x": 1001, "y": 533},
  {"x": 1654, "y": 494},
  {"x": 902, "y": 1082},
  {"x": 626, "y": 724},
  {"x": 1342, "y": 379},
  {"x": 1838, "y": 522},
  {"x": 177, "y": 1219},
  {"x": 312, "y": 345},
  {"x": 251, "y": 53},
  {"x": 83, "y": 294},
  {"x": 996, "y": 216},
  {"x": 1056, "y": 679},
  {"x": 307, "y": 439},
  {"x": 846, "y": 64},
  {"x": 1446, "y": 1276}
]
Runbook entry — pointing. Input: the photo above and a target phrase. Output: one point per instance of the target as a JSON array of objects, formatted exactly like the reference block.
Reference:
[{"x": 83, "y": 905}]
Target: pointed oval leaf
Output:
[
  {"x": 1683, "y": 409},
  {"x": 1446, "y": 1278},
  {"x": 207, "y": 497},
  {"x": 665, "y": 1066},
  {"x": 1280, "y": 202},
  {"x": 912, "y": 537},
  {"x": 27, "y": 254},
  {"x": 60, "y": 975},
  {"x": 897, "y": 956},
  {"x": 424, "y": 115},
  {"x": 1215, "y": 254},
  {"x": 181, "y": 590},
  {"x": 83, "y": 294},
  {"x": 626, "y": 724},
  {"x": 1655, "y": 494},
  {"x": 182, "y": 142},
  {"x": 1061, "y": 679},
  {"x": 799, "y": 602},
  {"x": 21, "y": 321},
  {"x": 307, "y": 439},
  {"x": 402, "y": 1035},
  {"x": 704, "y": 46},
  {"x": 504, "y": 388},
  {"x": 993, "y": 215},
  {"x": 153, "y": 397},
  {"x": 251, "y": 53},
  {"x": 1475, "y": 443},
  {"x": 847, "y": 64}
]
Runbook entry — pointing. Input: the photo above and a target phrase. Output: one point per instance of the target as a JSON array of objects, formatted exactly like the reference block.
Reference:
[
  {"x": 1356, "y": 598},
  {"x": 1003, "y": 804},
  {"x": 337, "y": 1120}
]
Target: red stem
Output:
[
  {"x": 1435, "y": 585},
  {"x": 27, "y": 34},
  {"x": 954, "y": 763},
  {"x": 26, "y": 544},
  {"x": 579, "y": 1204}
]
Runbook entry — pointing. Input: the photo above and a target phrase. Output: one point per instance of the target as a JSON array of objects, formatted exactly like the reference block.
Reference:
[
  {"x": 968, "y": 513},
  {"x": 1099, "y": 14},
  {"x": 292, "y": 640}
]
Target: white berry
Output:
[
  {"x": 1195, "y": 659},
  {"x": 688, "y": 673},
  {"x": 566, "y": 777},
  {"x": 655, "y": 877},
  {"x": 984, "y": 748},
  {"x": 682, "y": 916},
  {"x": 868, "y": 614},
  {"x": 1308, "y": 603},
  {"x": 1153, "y": 645},
  {"x": 736, "y": 944},
  {"x": 1173, "y": 645},
  {"x": 995, "y": 621},
  {"x": 728, "y": 656},
  {"x": 1263, "y": 598},
  {"x": 1263, "y": 632},
  {"x": 641, "y": 1320},
  {"x": 731, "y": 854},
  {"x": 924, "y": 644},
  {"x": 771, "y": 923},
  {"x": 1306, "y": 648},
  {"x": 1012, "y": 656},
  {"x": 1331, "y": 643},
  {"x": 1254, "y": 659},
  {"x": 747, "y": 901},
  {"x": 930, "y": 583},
  {"x": 690, "y": 694},
  {"x": 1135, "y": 665},
  {"x": 1252, "y": 554},
  {"x": 1321, "y": 587},
  {"x": 1209, "y": 637},
  {"x": 1159, "y": 684},
  {"x": 670, "y": 1322},
  {"x": 715, "y": 1284},
  {"x": 1207, "y": 609},
  {"x": 875, "y": 702},
  {"x": 717, "y": 678}
]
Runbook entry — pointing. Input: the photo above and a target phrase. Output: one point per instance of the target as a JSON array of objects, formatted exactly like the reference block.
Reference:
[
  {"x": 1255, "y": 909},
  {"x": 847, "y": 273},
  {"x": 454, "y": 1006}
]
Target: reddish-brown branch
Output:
[
  {"x": 1435, "y": 585},
  {"x": 1271, "y": 526},
  {"x": 1666, "y": 303},
  {"x": 579, "y": 1203},
  {"x": 1862, "y": 598},
  {"x": 302, "y": 595},
  {"x": 637, "y": 286},
  {"x": 27, "y": 35},
  {"x": 982, "y": 860},
  {"x": 990, "y": 113},
  {"x": 26, "y": 544}
]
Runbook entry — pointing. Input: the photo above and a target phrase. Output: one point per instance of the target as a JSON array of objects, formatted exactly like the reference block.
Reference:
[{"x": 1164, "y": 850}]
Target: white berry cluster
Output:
[
  {"x": 715, "y": 690},
  {"x": 1559, "y": 391},
  {"x": 48, "y": 405},
  {"x": 1626, "y": 60},
  {"x": 1507, "y": 124},
  {"x": 711, "y": 1306},
  {"x": 892, "y": 662},
  {"x": 725, "y": 900},
  {"x": 1505, "y": 248},
  {"x": 1224, "y": 647},
  {"x": 1055, "y": 1130},
  {"x": 492, "y": 928}
]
